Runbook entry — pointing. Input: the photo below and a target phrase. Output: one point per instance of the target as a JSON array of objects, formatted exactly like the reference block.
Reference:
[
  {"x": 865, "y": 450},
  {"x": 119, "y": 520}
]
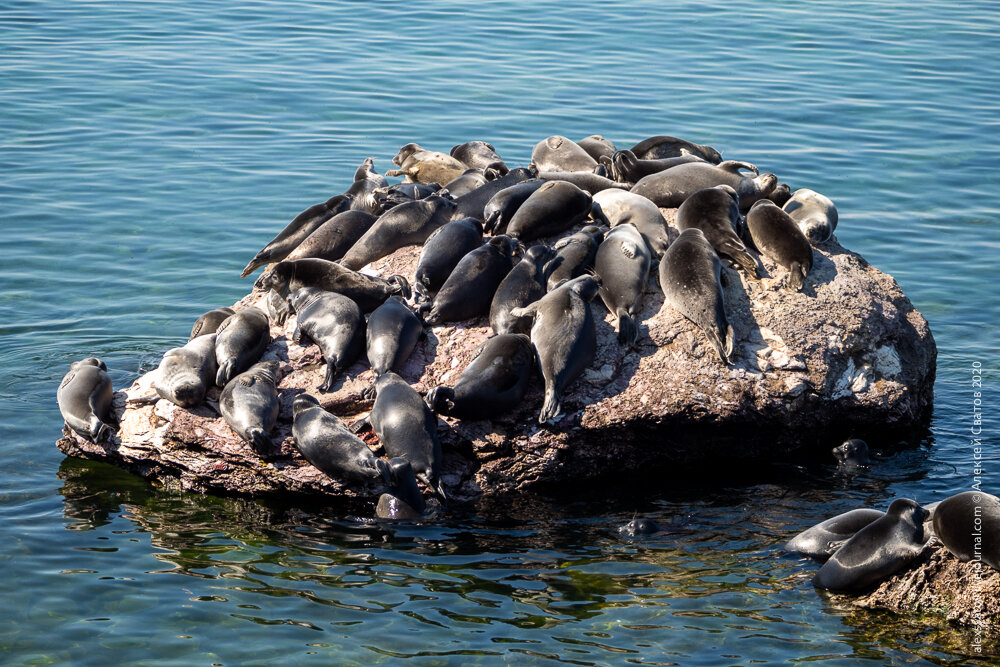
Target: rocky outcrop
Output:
[{"x": 846, "y": 356}]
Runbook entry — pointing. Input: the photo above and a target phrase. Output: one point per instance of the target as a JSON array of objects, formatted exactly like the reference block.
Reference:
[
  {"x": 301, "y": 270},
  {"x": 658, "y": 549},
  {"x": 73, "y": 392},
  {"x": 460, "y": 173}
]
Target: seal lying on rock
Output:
[
  {"x": 470, "y": 287},
  {"x": 618, "y": 207},
  {"x": 362, "y": 191},
  {"x": 209, "y": 322},
  {"x": 715, "y": 212},
  {"x": 366, "y": 291},
  {"x": 823, "y": 539},
  {"x": 249, "y": 405},
  {"x": 551, "y": 209},
  {"x": 403, "y": 500},
  {"x": 592, "y": 183},
  {"x": 335, "y": 236},
  {"x": 669, "y": 189},
  {"x": 597, "y": 146},
  {"x": 239, "y": 342},
  {"x": 329, "y": 445},
  {"x": 574, "y": 255},
  {"x": 524, "y": 285},
  {"x": 423, "y": 166},
  {"x": 504, "y": 204},
  {"x": 186, "y": 373},
  {"x": 662, "y": 146},
  {"x": 969, "y": 522},
  {"x": 406, "y": 224},
  {"x": 776, "y": 235},
  {"x": 625, "y": 167},
  {"x": 442, "y": 251},
  {"x": 471, "y": 205},
  {"x": 479, "y": 155},
  {"x": 85, "y": 396},
  {"x": 393, "y": 332},
  {"x": 815, "y": 214},
  {"x": 332, "y": 321},
  {"x": 558, "y": 153},
  {"x": 622, "y": 264}
]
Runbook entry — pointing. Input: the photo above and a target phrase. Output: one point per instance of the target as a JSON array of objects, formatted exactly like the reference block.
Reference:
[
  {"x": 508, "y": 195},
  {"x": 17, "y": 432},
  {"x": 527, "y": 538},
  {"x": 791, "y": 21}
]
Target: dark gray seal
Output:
[
  {"x": 470, "y": 287},
  {"x": 335, "y": 236},
  {"x": 558, "y": 153},
  {"x": 619, "y": 207},
  {"x": 366, "y": 291},
  {"x": 187, "y": 373},
  {"x": 663, "y": 146},
  {"x": 716, "y": 212},
  {"x": 332, "y": 321},
  {"x": 564, "y": 338},
  {"x": 304, "y": 224},
  {"x": 669, "y": 189},
  {"x": 403, "y": 500},
  {"x": 503, "y": 205},
  {"x": 877, "y": 551},
  {"x": 424, "y": 166},
  {"x": 85, "y": 396},
  {"x": 492, "y": 384},
  {"x": 852, "y": 453},
  {"x": 239, "y": 342},
  {"x": 362, "y": 191},
  {"x": 278, "y": 309},
  {"x": 592, "y": 183},
  {"x": 394, "y": 195},
  {"x": 823, "y": 539},
  {"x": 393, "y": 332},
  {"x": 442, "y": 251},
  {"x": 597, "y": 146},
  {"x": 249, "y": 405},
  {"x": 209, "y": 322},
  {"x": 625, "y": 167},
  {"x": 639, "y": 526},
  {"x": 815, "y": 214},
  {"x": 466, "y": 183},
  {"x": 403, "y": 225},
  {"x": 969, "y": 522},
  {"x": 328, "y": 444},
  {"x": 471, "y": 205},
  {"x": 551, "y": 209},
  {"x": 692, "y": 279},
  {"x": 776, "y": 235},
  {"x": 574, "y": 255},
  {"x": 622, "y": 266},
  {"x": 780, "y": 194},
  {"x": 479, "y": 155},
  {"x": 524, "y": 285}
]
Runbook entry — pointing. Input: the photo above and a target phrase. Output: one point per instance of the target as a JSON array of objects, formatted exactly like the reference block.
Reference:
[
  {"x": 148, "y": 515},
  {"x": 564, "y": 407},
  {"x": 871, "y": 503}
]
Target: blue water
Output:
[{"x": 147, "y": 150}]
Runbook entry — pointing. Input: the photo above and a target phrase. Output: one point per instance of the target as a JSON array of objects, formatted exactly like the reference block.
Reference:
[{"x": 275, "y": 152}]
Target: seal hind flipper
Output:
[
  {"x": 402, "y": 285},
  {"x": 260, "y": 441},
  {"x": 382, "y": 466},
  {"x": 551, "y": 407},
  {"x": 440, "y": 400},
  {"x": 628, "y": 333},
  {"x": 254, "y": 264},
  {"x": 742, "y": 257},
  {"x": 796, "y": 276},
  {"x": 736, "y": 165}
]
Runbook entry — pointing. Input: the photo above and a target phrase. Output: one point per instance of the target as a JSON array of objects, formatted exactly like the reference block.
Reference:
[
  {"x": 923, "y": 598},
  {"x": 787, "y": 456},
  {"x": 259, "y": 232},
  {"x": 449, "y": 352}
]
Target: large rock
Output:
[{"x": 846, "y": 356}]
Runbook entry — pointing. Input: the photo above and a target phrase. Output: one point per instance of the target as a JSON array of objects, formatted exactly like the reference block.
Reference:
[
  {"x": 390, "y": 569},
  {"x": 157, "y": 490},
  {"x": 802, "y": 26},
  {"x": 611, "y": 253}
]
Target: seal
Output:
[
  {"x": 407, "y": 428},
  {"x": 467, "y": 182},
  {"x": 781, "y": 194},
  {"x": 815, "y": 214},
  {"x": 479, "y": 155},
  {"x": 639, "y": 526},
  {"x": 625, "y": 167},
  {"x": 877, "y": 551},
  {"x": 564, "y": 338},
  {"x": 574, "y": 255},
  {"x": 597, "y": 146},
  {"x": 278, "y": 309},
  {"x": 852, "y": 453},
  {"x": 362, "y": 191},
  {"x": 403, "y": 225},
  {"x": 249, "y": 404},
  {"x": 549, "y": 210},
  {"x": 662, "y": 146},
  {"x": 85, "y": 396},
  {"x": 209, "y": 322},
  {"x": 618, "y": 207},
  {"x": 366, "y": 291},
  {"x": 334, "y": 237},
  {"x": 403, "y": 500},
  {"x": 692, "y": 279},
  {"x": 669, "y": 189},
  {"x": 393, "y": 332},
  {"x": 592, "y": 183},
  {"x": 329, "y": 445},
  {"x": 424, "y": 166},
  {"x": 470, "y": 287},
  {"x": 471, "y": 205},
  {"x": 304, "y": 224},
  {"x": 394, "y": 195},
  {"x": 622, "y": 265},
  {"x": 777, "y": 236},
  {"x": 492, "y": 384},
  {"x": 503, "y": 205},
  {"x": 334, "y": 322},
  {"x": 969, "y": 522},
  {"x": 524, "y": 285},
  {"x": 187, "y": 373},
  {"x": 239, "y": 342},
  {"x": 557, "y": 153},
  {"x": 823, "y": 539},
  {"x": 715, "y": 211},
  {"x": 442, "y": 251}
]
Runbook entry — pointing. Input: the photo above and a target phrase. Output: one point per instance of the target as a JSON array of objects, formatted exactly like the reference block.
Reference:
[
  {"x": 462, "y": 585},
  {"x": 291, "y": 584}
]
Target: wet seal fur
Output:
[
  {"x": 249, "y": 405},
  {"x": 393, "y": 332},
  {"x": 239, "y": 343},
  {"x": 403, "y": 500},
  {"x": 366, "y": 291},
  {"x": 332, "y": 321},
  {"x": 622, "y": 262},
  {"x": 574, "y": 256},
  {"x": 852, "y": 453},
  {"x": 328, "y": 444},
  {"x": 776, "y": 235},
  {"x": 823, "y": 539},
  {"x": 187, "y": 373},
  {"x": 967, "y": 521},
  {"x": 85, "y": 396},
  {"x": 403, "y": 225},
  {"x": 335, "y": 236},
  {"x": 442, "y": 251},
  {"x": 296, "y": 232}
]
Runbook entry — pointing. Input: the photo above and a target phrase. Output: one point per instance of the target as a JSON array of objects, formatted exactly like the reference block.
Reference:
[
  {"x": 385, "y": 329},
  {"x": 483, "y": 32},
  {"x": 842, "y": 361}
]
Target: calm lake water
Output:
[{"x": 147, "y": 150}]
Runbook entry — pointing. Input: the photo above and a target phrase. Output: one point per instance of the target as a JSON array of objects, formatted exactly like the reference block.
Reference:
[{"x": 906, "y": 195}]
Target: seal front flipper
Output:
[
  {"x": 736, "y": 165},
  {"x": 361, "y": 424}
]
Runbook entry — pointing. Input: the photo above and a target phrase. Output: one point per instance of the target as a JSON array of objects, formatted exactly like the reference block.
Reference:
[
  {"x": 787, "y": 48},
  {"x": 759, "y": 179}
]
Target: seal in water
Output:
[
  {"x": 470, "y": 287},
  {"x": 969, "y": 522},
  {"x": 492, "y": 384},
  {"x": 776, "y": 235},
  {"x": 423, "y": 166},
  {"x": 662, "y": 146},
  {"x": 249, "y": 405},
  {"x": 622, "y": 263},
  {"x": 551, "y": 209},
  {"x": 597, "y": 146},
  {"x": 443, "y": 250},
  {"x": 877, "y": 551},
  {"x": 334, "y": 322},
  {"x": 479, "y": 155},
  {"x": 692, "y": 279},
  {"x": 815, "y": 214},
  {"x": 329, "y": 445},
  {"x": 503, "y": 205},
  {"x": 85, "y": 396},
  {"x": 592, "y": 183},
  {"x": 471, "y": 205},
  {"x": 669, "y": 189},
  {"x": 618, "y": 207},
  {"x": 823, "y": 539},
  {"x": 558, "y": 153},
  {"x": 852, "y": 452},
  {"x": 524, "y": 285},
  {"x": 209, "y": 322},
  {"x": 574, "y": 255},
  {"x": 335, "y": 236},
  {"x": 186, "y": 373},
  {"x": 625, "y": 167},
  {"x": 639, "y": 526},
  {"x": 564, "y": 338},
  {"x": 366, "y": 291},
  {"x": 715, "y": 211},
  {"x": 239, "y": 342},
  {"x": 393, "y": 332},
  {"x": 403, "y": 225},
  {"x": 403, "y": 500}
]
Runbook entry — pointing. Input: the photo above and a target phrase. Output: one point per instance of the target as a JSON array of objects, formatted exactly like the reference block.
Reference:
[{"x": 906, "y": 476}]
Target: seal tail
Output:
[
  {"x": 441, "y": 400},
  {"x": 628, "y": 333},
  {"x": 383, "y": 469},
  {"x": 227, "y": 370},
  {"x": 796, "y": 275},
  {"x": 743, "y": 258},
  {"x": 332, "y": 370},
  {"x": 725, "y": 350},
  {"x": 402, "y": 286},
  {"x": 260, "y": 441},
  {"x": 550, "y": 408}
]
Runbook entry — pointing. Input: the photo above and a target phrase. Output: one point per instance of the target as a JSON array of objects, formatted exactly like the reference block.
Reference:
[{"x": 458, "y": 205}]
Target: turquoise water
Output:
[{"x": 147, "y": 150}]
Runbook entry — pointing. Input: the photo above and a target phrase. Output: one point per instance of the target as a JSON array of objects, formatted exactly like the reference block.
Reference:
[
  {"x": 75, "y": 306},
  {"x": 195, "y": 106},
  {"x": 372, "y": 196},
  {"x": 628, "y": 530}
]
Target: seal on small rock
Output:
[
  {"x": 823, "y": 539},
  {"x": 249, "y": 405},
  {"x": 186, "y": 373},
  {"x": 328, "y": 444},
  {"x": 622, "y": 264},
  {"x": 470, "y": 287},
  {"x": 777, "y": 236},
  {"x": 366, "y": 291},
  {"x": 85, "y": 396},
  {"x": 715, "y": 211},
  {"x": 424, "y": 166},
  {"x": 406, "y": 224},
  {"x": 969, "y": 522},
  {"x": 210, "y": 321},
  {"x": 442, "y": 251},
  {"x": 524, "y": 285},
  {"x": 815, "y": 214},
  {"x": 332, "y": 321},
  {"x": 239, "y": 342}
]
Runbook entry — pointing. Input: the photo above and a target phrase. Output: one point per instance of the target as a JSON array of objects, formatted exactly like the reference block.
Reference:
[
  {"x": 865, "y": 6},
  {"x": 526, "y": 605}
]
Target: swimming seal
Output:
[
  {"x": 558, "y": 153},
  {"x": 85, "y": 396},
  {"x": 692, "y": 279},
  {"x": 823, "y": 539},
  {"x": 424, "y": 166},
  {"x": 852, "y": 453},
  {"x": 186, "y": 373},
  {"x": 592, "y": 183},
  {"x": 967, "y": 522},
  {"x": 471, "y": 205},
  {"x": 209, "y": 322},
  {"x": 618, "y": 207},
  {"x": 366, "y": 291},
  {"x": 492, "y": 384},
  {"x": 329, "y": 445},
  {"x": 639, "y": 526},
  {"x": 625, "y": 167},
  {"x": 403, "y": 225},
  {"x": 332, "y": 321},
  {"x": 470, "y": 287},
  {"x": 815, "y": 214},
  {"x": 334, "y": 237},
  {"x": 239, "y": 342},
  {"x": 622, "y": 263},
  {"x": 503, "y": 205},
  {"x": 776, "y": 235},
  {"x": 663, "y": 146},
  {"x": 597, "y": 146},
  {"x": 564, "y": 338},
  {"x": 715, "y": 212},
  {"x": 669, "y": 189},
  {"x": 442, "y": 251},
  {"x": 524, "y": 285},
  {"x": 403, "y": 500},
  {"x": 551, "y": 209},
  {"x": 249, "y": 405},
  {"x": 877, "y": 551},
  {"x": 393, "y": 332},
  {"x": 574, "y": 255},
  {"x": 479, "y": 155}
]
